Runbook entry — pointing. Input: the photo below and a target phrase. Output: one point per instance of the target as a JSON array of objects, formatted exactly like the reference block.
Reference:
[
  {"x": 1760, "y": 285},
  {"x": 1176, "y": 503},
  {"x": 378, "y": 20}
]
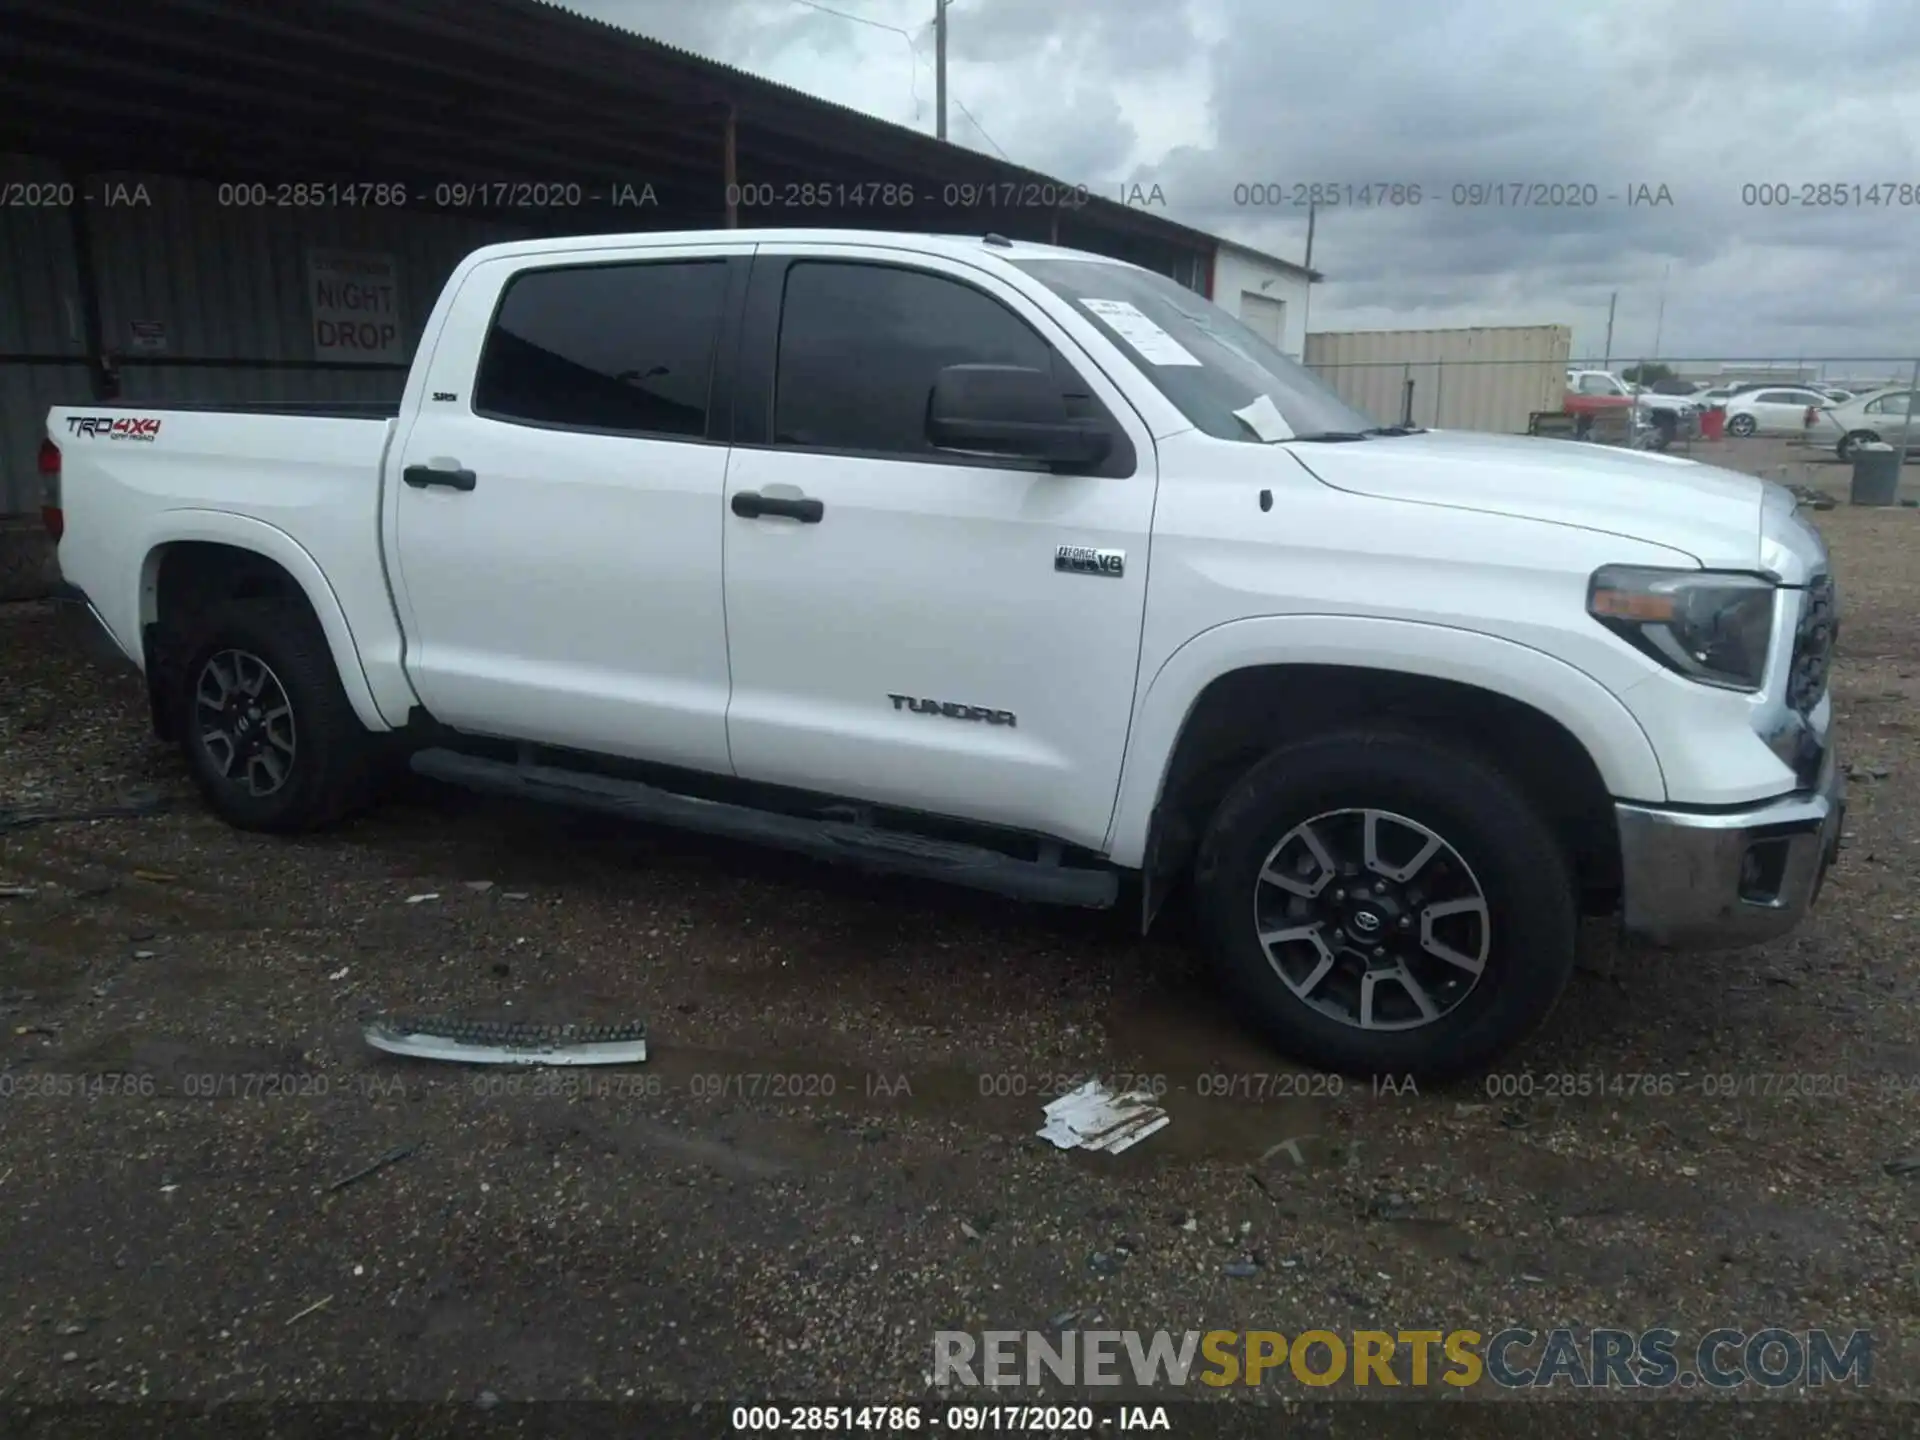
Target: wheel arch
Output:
[
  {"x": 1227, "y": 698},
  {"x": 200, "y": 557}
]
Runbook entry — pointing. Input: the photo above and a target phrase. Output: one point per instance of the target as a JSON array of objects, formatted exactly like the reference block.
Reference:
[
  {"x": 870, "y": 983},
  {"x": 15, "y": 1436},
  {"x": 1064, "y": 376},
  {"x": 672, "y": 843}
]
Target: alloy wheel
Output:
[
  {"x": 245, "y": 721},
  {"x": 1372, "y": 919}
]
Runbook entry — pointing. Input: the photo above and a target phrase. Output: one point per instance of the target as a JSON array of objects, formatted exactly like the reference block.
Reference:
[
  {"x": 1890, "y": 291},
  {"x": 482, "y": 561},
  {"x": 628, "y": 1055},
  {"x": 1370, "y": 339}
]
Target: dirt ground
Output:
[{"x": 830, "y": 1153}]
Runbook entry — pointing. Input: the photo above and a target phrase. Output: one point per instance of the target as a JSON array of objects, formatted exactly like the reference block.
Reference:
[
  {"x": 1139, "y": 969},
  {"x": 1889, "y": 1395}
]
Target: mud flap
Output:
[{"x": 1160, "y": 867}]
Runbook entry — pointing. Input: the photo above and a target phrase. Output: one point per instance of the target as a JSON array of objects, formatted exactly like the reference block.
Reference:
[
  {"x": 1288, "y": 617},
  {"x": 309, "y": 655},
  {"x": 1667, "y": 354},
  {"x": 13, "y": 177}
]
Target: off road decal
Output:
[{"x": 114, "y": 427}]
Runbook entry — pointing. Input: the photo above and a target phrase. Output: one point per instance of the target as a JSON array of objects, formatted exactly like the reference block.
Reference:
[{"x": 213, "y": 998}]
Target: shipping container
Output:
[{"x": 1484, "y": 378}]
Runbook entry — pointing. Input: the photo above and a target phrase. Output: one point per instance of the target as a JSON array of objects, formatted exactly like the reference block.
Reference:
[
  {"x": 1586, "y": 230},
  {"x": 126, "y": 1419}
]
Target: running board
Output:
[{"x": 888, "y": 851}]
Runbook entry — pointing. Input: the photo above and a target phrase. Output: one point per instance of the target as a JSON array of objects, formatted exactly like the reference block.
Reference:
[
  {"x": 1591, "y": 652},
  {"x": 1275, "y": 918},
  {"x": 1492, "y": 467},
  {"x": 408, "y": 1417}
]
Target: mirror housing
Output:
[{"x": 1013, "y": 411}]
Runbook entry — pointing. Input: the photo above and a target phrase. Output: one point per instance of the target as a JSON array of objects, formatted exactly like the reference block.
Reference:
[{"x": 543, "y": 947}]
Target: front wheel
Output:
[
  {"x": 1387, "y": 904},
  {"x": 1742, "y": 425},
  {"x": 268, "y": 732}
]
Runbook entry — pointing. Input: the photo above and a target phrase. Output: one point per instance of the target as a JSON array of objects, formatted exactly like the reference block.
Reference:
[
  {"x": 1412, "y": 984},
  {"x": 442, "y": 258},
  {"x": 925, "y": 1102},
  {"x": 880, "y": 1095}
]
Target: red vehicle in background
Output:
[{"x": 1601, "y": 396}]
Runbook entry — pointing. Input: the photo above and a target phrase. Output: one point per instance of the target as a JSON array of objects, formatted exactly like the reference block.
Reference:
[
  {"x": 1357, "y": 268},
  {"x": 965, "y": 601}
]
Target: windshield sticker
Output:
[
  {"x": 1263, "y": 417},
  {"x": 1153, "y": 344}
]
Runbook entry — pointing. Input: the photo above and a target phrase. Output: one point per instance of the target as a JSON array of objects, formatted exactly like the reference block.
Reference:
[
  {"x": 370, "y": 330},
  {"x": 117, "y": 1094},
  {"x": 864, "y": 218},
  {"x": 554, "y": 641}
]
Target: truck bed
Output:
[{"x": 296, "y": 483}]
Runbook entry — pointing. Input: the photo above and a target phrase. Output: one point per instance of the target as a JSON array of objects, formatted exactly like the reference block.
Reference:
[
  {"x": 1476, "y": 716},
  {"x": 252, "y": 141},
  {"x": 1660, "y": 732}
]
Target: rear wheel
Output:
[
  {"x": 1385, "y": 903},
  {"x": 268, "y": 732},
  {"x": 1848, "y": 443}
]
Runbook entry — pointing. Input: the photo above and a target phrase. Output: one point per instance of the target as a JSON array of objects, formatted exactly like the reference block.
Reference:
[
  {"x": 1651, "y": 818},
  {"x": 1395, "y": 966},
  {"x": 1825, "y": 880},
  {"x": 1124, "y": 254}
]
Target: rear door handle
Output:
[
  {"x": 752, "y": 505},
  {"x": 421, "y": 476}
]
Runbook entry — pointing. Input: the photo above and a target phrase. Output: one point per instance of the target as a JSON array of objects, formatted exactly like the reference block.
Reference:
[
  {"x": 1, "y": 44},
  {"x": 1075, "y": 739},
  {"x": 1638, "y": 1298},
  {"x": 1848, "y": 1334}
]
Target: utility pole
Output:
[
  {"x": 1660, "y": 315},
  {"x": 1606, "y": 362},
  {"x": 940, "y": 66},
  {"x": 1306, "y": 306}
]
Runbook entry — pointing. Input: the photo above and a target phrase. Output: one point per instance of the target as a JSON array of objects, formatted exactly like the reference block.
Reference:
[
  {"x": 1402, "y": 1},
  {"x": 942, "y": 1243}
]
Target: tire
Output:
[
  {"x": 317, "y": 762},
  {"x": 1844, "y": 450},
  {"x": 1523, "y": 937},
  {"x": 1742, "y": 425}
]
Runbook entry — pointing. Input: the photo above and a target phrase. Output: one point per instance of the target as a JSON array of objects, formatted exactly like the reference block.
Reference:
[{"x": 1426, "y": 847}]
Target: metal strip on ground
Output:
[{"x": 489, "y": 1042}]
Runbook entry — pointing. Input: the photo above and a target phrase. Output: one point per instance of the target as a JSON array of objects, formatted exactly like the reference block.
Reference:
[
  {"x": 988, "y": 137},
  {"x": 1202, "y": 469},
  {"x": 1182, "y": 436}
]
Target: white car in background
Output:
[
  {"x": 1772, "y": 410},
  {"x": 1876, "y": 415}
]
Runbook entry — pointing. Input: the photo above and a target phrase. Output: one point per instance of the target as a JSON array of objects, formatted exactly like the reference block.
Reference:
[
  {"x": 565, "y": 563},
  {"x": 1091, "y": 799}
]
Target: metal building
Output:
[
  {"x": 201, "y": 192},
  {"x": 1269, "y": 295}
]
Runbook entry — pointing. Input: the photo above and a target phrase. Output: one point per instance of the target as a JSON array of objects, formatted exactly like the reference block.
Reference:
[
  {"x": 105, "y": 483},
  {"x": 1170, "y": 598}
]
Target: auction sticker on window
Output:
[{"x": 1153, "y": 344}]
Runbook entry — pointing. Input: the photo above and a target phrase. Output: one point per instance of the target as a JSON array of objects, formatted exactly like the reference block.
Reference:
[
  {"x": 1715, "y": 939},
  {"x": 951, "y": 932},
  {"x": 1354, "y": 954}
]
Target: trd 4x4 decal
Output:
[{"x": 114, "y": 427}]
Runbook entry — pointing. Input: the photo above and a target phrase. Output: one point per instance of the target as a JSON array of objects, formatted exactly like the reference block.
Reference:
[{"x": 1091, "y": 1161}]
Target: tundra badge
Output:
[
  {"x": 1081, "y": 560},
  {"x": 952, "y": 710}
]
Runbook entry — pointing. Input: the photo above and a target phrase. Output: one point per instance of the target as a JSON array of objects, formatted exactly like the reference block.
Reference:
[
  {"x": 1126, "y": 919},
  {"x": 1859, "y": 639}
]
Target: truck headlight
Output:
[{"x": 1711, "y": 627}]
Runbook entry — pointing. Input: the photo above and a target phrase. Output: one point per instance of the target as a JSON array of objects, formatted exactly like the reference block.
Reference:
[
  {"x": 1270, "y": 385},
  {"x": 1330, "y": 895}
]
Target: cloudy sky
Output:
[{"x": 1198, "y": 97}]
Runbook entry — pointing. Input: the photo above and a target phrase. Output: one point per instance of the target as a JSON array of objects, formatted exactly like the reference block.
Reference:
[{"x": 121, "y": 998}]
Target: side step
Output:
[{"x": 886, "y": 851}]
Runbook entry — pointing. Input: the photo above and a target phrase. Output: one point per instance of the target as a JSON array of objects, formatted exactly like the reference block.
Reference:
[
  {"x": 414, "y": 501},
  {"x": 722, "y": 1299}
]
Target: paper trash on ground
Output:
[
  {"x": 1094, "y": 1118},
  {"x": 1263, "y": 417},
  {"x": 1154, "y": 345}
]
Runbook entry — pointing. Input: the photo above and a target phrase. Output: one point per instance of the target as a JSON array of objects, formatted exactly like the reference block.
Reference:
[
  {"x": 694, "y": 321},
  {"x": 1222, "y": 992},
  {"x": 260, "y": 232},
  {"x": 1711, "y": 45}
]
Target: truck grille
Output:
[{"x": 1813, "y": 643}]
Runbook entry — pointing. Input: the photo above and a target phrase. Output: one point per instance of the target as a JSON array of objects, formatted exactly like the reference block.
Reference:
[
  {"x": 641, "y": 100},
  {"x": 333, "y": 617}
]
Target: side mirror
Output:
[{"x": 1013, "y": 411}]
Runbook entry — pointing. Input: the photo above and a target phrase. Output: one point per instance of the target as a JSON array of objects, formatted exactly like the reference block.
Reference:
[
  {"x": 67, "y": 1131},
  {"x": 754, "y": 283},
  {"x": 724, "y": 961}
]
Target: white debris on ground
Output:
[{"x": 1094, "y": 1118}]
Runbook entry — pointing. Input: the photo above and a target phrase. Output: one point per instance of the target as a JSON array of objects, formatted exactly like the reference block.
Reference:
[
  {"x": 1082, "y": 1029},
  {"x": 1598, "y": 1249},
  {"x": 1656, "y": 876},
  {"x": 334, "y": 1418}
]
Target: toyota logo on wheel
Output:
[{"x": 1365, "y": 921}]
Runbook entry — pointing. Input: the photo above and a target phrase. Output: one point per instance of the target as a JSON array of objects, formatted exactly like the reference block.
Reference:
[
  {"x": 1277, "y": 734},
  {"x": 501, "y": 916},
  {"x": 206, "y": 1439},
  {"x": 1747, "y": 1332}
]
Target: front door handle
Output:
[
  {"x": 751, "y": 505},
  {"x": 421, "y": 476}
]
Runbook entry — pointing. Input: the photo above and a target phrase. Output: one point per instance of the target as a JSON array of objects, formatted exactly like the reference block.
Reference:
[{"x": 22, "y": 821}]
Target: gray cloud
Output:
[{"x": 1706, "y": 97}]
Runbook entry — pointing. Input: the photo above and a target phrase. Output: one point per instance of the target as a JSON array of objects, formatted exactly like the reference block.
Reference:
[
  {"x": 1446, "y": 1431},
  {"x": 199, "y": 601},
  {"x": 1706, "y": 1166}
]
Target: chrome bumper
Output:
[
  {"x": 82, "y": 629},
  {"x": 1719, "y": 880}
]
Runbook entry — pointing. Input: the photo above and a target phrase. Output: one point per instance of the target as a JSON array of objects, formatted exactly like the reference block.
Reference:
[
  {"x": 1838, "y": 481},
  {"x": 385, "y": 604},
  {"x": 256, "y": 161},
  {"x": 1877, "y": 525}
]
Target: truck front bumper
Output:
[
  {"x": 82, "y": 629},
  {"x": 1720, "y": 879}
]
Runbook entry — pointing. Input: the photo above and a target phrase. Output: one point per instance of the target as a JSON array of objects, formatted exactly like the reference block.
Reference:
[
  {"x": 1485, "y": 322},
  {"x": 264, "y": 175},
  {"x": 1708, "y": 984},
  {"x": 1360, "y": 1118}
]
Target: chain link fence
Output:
[{"x": 1651, "y": 404}]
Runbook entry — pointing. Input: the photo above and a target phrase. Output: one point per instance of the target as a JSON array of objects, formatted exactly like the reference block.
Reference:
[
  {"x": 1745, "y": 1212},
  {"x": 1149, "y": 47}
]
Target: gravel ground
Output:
[{"x": 830, "y": 1153}]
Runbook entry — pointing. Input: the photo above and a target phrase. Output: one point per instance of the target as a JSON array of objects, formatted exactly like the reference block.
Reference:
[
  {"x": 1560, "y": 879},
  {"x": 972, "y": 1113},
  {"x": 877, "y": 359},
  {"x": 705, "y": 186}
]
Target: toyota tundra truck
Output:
[{"x": 1010, "y": 565}]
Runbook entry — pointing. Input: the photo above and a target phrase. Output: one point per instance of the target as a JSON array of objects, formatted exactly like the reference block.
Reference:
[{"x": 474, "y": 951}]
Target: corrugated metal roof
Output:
[
  {"x": 502, "y": 87},
  {"x": 746, "y": 79}
]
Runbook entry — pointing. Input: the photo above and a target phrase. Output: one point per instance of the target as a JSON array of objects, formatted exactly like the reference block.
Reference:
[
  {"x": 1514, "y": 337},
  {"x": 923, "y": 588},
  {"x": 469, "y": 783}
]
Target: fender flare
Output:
[
  {"x": 243, "y": 532},
  {"x": 1591, "y": 713}
]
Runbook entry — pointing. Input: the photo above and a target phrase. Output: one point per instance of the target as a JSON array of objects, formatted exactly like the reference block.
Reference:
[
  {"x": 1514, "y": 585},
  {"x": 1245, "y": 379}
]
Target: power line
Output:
[
  {"x": 981, "y": 128},
  {"x": 913, "y": 52},
  {"x": 857, "y": 19}
]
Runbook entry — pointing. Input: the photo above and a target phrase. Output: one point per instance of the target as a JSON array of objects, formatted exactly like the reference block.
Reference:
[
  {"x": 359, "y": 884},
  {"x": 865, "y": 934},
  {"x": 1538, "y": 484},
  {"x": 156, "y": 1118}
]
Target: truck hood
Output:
[{"x": 1711, "y": 514}]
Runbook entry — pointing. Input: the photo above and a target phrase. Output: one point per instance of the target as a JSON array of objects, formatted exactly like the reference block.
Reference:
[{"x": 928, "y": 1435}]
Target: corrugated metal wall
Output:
[
  {"x": 39, "y": 322},
  {"x": 226, "y": 285},
  {"x": 1477, "y": 379},
  {"x": 223, "y": 283}
]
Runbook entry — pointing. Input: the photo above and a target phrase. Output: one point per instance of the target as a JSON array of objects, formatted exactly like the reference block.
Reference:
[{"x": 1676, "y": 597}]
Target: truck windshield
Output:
[{"x": 1228, "y": 381}]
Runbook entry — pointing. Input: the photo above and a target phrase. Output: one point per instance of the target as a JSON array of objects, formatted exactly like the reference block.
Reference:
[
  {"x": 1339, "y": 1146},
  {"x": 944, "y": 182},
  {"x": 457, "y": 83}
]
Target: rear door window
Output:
[{"x": 625, "y": 348}]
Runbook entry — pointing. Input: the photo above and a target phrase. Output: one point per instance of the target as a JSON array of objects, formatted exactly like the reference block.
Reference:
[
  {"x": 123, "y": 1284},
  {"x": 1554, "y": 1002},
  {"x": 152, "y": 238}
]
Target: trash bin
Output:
[
  {"x": 1713, "y": 423},
  {"x": 1876, "y": 475}
]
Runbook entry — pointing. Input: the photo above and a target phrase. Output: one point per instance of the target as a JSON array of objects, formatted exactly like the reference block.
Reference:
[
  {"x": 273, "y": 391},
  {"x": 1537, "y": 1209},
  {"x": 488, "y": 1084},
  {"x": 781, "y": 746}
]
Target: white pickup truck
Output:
[
  {"x": 1010, "y": 565},
  {"x": 1598, "y": 392}
]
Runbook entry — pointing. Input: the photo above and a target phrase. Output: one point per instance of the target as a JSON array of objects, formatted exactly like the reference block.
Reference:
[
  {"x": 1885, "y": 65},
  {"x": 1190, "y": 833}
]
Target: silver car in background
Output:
[{"x": 1875, "y": 416}]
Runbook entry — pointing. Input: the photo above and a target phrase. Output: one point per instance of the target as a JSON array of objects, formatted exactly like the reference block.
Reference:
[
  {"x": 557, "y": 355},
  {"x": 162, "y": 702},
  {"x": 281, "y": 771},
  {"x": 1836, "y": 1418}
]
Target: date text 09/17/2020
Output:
[{"x": 1470, "y": 194}]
